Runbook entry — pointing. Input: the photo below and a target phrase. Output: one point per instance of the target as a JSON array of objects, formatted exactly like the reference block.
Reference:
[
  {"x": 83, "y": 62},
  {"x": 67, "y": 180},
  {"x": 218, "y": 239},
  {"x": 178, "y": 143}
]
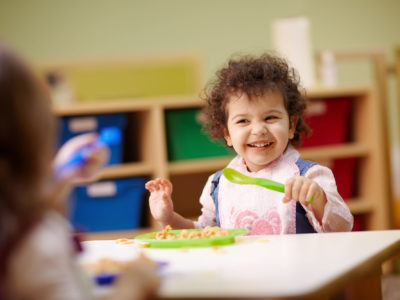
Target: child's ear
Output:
[
  {"x": 227, "y": 138},
  {"x": 292, "y": 128}
]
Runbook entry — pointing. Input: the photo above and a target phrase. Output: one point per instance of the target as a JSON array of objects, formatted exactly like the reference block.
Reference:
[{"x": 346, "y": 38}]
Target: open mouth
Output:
[{"x": 260, "y": 145}]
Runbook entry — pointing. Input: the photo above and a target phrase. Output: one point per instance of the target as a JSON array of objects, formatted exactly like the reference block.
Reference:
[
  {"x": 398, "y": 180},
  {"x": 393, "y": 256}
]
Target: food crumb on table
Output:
[{"x": 124, "y": 241}]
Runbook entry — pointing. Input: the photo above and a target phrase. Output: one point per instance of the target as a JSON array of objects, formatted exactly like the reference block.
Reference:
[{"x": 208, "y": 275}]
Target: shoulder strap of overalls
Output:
[
  {"x": 214, "y": 194},
  {"x": 302, "y": 223}
]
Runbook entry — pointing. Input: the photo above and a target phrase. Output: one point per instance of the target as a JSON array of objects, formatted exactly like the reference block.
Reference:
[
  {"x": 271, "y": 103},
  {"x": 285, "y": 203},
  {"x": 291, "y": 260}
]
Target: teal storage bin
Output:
[
  {"x": 185, "y": 138},
  {"x": 108, "y": 205}
]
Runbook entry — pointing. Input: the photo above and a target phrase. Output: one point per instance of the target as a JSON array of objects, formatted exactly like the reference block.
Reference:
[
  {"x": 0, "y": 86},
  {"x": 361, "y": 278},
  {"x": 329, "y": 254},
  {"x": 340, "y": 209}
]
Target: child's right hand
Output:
[{"x": 161, "y": 206}]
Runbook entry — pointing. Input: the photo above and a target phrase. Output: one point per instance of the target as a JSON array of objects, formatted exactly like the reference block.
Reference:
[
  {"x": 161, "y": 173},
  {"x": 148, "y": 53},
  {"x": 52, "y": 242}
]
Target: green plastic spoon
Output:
[{"x": 239, "y": 178}]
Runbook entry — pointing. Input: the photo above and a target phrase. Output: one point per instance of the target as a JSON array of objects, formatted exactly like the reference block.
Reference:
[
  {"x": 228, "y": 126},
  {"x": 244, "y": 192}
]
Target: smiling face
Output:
[{"x": 259, "y": 128}]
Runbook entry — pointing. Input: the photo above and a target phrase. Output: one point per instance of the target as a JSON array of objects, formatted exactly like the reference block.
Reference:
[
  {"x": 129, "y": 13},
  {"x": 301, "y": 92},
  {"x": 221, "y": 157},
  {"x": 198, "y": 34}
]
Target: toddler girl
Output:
[{"x": 255, "y": 105}]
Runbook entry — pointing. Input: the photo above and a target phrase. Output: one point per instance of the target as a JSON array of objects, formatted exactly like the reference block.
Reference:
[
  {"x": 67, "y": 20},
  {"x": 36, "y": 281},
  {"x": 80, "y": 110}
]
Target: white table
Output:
[{"x": 289, "y": 266}]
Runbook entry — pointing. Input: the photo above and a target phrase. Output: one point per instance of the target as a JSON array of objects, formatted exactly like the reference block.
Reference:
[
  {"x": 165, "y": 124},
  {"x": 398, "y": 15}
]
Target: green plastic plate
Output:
[{"x": 185, "y": 243}]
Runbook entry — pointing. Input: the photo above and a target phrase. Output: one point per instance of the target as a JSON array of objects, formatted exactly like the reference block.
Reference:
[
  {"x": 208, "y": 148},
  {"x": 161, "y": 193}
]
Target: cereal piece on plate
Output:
[
  {"x": 183, "y": 234},
  {"x": 171, "y": 236},
  {"x": 163, "y": 233}
]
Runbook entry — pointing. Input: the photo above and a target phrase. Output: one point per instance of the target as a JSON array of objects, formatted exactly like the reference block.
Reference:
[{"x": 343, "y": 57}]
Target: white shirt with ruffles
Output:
[{"x": 262, "y": 211}]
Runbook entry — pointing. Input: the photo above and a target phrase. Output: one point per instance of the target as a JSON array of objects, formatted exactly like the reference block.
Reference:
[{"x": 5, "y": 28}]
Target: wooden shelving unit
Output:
[{"x": 189, "y": 176}]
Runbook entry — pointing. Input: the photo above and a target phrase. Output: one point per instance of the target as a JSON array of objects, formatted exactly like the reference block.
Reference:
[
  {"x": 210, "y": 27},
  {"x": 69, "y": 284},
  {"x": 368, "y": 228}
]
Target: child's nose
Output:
[{"x": 259, "y": 128}]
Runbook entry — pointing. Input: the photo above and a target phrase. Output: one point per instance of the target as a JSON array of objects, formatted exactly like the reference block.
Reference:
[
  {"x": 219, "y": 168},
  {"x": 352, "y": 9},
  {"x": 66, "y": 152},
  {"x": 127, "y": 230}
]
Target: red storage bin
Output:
[
  {"x": 359, "y": 223},
  {"x": 345, "y": 171},
  {"x": 329, "y": 121}
]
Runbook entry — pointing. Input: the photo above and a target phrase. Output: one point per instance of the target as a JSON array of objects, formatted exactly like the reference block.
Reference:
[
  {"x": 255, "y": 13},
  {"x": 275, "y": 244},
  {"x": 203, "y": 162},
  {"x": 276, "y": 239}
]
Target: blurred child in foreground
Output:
[{"x": 37, "y": 256}]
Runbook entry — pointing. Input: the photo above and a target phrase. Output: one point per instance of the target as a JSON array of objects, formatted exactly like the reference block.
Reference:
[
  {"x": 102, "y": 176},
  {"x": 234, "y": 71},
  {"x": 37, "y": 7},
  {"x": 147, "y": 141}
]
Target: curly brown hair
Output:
[{"x": 253, "y": 76}]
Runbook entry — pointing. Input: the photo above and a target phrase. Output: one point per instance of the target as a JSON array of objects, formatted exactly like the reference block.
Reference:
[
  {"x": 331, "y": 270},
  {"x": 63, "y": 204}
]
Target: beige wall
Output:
[{"x": 56, "y": 29}]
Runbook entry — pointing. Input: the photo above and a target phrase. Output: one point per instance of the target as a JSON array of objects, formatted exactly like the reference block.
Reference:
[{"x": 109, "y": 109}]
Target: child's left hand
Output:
[
  {"x": 302, "y": 189},
  {"x": 64, "y": 177}
]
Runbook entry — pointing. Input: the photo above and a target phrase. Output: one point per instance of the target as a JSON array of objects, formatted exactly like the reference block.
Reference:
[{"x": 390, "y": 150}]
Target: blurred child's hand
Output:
[
  {"x": 65, "y": 174},
  {"x": 160, "y": 201},
  {"x": 95, "y": 158},
  {"x": 302, "y": 189},
  {"x": 138, "y": 281}
]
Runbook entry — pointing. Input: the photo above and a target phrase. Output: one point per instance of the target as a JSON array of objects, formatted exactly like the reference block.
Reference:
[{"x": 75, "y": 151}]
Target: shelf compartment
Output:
[
  {"x": 187, "y": 192},
  {"x": 186, "y": 139}
]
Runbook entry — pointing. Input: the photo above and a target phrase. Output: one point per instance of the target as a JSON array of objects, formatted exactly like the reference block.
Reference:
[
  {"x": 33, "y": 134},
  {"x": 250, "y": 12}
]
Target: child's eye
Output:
[
  {"x": 269, "y": 118},
  {"x": 242, "y": 121}
]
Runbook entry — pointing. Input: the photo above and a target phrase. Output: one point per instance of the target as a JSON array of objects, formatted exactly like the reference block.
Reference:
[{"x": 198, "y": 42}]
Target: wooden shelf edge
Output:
[
  {"x": 126, "y": 105},
  {"x": 96, "y": 106},
  {"x": 114, "y": 235},
  {"x": 342, "y": 91},
  {"x": 215, "y": 163},
  {"x": 126, "y": 170},
  {"x": 360, "y": 205},
  {"x": 316, "y": 153},
  {"x": 335, "y": 151},
  {"x": 198, "y": 165}
]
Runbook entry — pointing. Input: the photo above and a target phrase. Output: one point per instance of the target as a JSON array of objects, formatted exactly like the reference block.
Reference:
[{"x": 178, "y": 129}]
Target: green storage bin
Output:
[{"x": 185, "y": 138}]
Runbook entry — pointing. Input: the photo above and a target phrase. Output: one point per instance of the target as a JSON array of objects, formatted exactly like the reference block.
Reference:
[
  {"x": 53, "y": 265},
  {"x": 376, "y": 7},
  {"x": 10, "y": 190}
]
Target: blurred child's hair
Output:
[
  {"x": 253, "y": 76},
  {"x": 26, "y": 149}
]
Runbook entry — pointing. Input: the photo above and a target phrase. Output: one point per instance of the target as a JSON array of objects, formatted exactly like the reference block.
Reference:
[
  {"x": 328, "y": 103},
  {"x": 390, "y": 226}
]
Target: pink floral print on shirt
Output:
[{"x": 269, "y": 224}]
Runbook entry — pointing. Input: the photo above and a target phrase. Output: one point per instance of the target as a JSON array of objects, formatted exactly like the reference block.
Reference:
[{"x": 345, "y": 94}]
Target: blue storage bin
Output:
[
  {"x": 73, "y": 126},
  {"x": 108, "y": 205}
]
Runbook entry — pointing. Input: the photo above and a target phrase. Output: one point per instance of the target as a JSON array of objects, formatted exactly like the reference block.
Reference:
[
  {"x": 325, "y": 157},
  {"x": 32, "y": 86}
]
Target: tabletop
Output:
[{"x": 285, "y": 266}]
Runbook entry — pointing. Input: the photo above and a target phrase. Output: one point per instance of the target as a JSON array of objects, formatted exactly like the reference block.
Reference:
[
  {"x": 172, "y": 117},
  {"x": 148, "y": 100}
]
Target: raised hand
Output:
[
  {"x": 160, "y": 201},
  {"x": 87, "y": 169}
]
